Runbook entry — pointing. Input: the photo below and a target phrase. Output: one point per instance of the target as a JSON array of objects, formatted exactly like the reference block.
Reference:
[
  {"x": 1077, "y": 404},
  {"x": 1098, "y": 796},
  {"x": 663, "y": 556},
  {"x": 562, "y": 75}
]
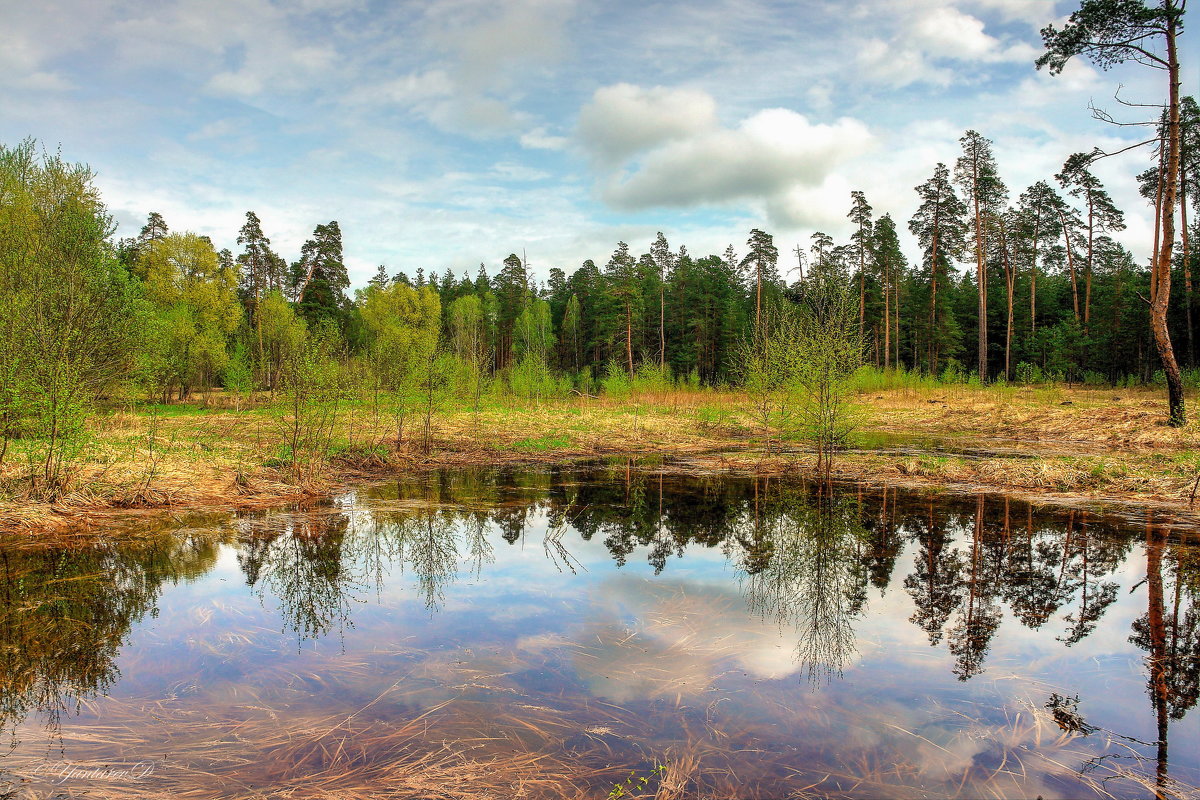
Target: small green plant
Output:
[
  {"x": 652, "y": 377},
  {"x": 634, "y": 785}
]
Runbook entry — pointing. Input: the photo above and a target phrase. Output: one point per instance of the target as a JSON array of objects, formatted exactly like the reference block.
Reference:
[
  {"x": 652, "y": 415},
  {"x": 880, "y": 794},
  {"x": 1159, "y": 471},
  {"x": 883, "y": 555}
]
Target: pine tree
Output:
[
  {"x": 1038, "y": 222},
  {"x": 1100, "y": 215},
  {"x": 890, "y": 263},
  {"x": 258, "y": 267},
  {"x": 976, "y": 174},
  {"x": 620, "y": 275},
  {"x": 941, "y": 229},
  {"x": 860, "y": 216},
  {"x": 664, "y": 260},
  {"x": 154, "y": 229},
  {"x": 511, "y": 287},
  {"x": 380, "y": 279},
  {"x": 1112, "y": 32},
  {"x": 763, "y": 256},
  {"x": 322, "y": 290}
]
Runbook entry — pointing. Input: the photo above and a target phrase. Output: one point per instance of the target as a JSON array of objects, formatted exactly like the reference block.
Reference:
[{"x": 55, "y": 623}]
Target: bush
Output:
[
  {"x": 616, "y": 383},
  {"x": 652, "y": 377},
  {"x": 872, "y": 379},
  {"x": 1028, "y": 373},
  {"x": 585, "y": 382},
  {"x": 953, "y": 372},
  {"x": 237, "y": 377},
  {"x": 307, "y": 409},
  {"x": 531, "y": 378}
]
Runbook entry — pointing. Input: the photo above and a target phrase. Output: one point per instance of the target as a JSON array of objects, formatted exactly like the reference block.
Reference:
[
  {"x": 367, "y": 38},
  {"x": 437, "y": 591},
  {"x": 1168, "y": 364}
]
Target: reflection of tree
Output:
[
  {"x": 936, "y": 586},
  {"x": 979, "y": 617},
  {"x": 305, "y": 568},
  {"x": 968, "y": 560},
  {"x": 1086, "y": 562},
  {"x": 814, "y": 579},
  {"x": 431, "y": 550},
  {"x": 65, "y": 613},
  {"x": 884, "y": 541},
  {"x": 1169, "y": 632},
  {"x": 1032, "y": 586}
]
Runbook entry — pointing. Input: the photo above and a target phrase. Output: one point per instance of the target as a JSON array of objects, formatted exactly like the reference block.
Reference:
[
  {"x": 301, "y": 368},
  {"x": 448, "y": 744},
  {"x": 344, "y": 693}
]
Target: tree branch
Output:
[{"x": 1098, "y": 154}]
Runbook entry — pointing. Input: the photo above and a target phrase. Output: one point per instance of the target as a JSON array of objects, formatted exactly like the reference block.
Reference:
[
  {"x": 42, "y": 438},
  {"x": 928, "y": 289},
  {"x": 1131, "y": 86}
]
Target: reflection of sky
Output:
[{"x": 632, "y": 637}]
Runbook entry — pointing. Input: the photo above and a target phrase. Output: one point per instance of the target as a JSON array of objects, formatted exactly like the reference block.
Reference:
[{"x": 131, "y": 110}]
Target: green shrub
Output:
[
  {"x": 616, "y": 383},
  {"x": 652, "y": 377},
  {"x": 953, "y": 372}
]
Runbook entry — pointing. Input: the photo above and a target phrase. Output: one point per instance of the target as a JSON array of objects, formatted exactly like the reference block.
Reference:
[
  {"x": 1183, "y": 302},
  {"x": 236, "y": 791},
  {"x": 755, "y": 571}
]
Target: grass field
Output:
[{"x": 1064, "y": 444}]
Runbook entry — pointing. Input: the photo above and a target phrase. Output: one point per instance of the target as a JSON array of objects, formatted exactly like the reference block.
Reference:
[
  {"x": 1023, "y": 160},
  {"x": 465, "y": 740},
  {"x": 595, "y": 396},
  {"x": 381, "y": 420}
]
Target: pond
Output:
[{"x": 606, "y": 631}]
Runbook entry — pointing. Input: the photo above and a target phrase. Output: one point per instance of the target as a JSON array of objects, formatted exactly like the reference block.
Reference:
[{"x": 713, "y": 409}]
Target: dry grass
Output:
[{"x": 1109, "y": 444}]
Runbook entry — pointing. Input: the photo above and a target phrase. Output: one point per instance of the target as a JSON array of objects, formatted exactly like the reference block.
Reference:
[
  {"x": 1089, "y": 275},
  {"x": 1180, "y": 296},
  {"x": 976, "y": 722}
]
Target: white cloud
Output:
[
  {"x": 624, "y": 119},
  {"x": 483, "y": 50},
  {"x": 539, "y": 139},
  {"x": 1036, "y": 12},
  {"x": 663, "y": 148},
  {"x": 953, "y": 34},
  {"x": 411, "y": 89},
  {"x": 499, "y": 36},
  {"x": 934, "y": 42}
]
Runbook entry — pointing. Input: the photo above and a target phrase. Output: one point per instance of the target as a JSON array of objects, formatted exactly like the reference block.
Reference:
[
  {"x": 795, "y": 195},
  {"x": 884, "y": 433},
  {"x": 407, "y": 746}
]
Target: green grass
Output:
[
  {"x": 169, "y": 409},
  {"x": 543, "y": 443}
]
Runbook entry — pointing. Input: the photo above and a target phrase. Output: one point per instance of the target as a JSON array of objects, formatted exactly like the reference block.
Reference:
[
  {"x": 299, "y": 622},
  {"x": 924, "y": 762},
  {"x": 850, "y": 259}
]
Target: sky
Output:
[{"x": 450, "y": 133}]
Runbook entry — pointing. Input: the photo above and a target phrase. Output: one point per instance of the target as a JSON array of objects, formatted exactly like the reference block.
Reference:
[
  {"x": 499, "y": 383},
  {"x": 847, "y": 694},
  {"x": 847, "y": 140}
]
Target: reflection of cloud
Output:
[{"x": 686, "y": 634}]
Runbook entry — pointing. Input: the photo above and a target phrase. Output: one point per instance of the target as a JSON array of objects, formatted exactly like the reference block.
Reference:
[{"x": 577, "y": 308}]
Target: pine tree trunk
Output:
[
  {"x": 887, "y": 318},
  {"x": 1091, "y": 255},
  {"x": 1010, "y": 278},
  {"x": 1157, "y": 660},
  {"x": 896, "y": 304},
  {"x": 662, "y": 323},
  {"x": 862, "y": 298},
  {"x": 629, "y": 337},
  {"x": 981, "y": 279},
  {"x": 933, "y": 292},
  {"x": 1070, "y": 264},
  {"x": 758, "y": 295},
  {"x": 1033, "y": 281},
  {"x": 1161, "y": 274},
  {"x": 1187, "y": 264}
]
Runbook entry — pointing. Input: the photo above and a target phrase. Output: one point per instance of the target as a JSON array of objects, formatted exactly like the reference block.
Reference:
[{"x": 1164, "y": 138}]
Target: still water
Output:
[{"x": 586, "y": 632}]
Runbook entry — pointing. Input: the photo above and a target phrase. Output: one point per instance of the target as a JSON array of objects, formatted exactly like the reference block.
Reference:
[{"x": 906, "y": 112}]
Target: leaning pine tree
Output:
[{"x": 1112, "y": 32}]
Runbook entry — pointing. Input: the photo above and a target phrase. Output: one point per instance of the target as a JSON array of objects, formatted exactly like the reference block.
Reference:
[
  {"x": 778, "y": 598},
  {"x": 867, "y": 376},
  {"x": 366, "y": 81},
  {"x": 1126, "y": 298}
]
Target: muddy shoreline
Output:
[{"x": 983, "y": 472}]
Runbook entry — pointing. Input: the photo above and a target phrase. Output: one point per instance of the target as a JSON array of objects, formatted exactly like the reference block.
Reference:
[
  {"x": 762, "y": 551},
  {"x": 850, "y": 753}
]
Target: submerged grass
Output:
[{"x": 460, "y": 725}]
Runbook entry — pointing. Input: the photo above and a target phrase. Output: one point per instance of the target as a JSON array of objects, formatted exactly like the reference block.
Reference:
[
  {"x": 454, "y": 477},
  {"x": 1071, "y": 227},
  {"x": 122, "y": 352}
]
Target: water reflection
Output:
[
  {"x": 66, "y": 612},
  {"x": 811, "y": 563}
]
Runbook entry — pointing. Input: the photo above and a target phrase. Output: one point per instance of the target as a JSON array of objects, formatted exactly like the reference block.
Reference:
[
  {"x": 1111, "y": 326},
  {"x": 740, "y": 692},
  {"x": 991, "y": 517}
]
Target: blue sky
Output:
[{"x": 449, "y": 133}]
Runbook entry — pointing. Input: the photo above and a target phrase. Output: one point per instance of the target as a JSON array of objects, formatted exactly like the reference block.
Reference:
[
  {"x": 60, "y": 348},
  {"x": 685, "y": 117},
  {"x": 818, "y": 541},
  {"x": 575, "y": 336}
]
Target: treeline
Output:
[{"x": 1047, "y": 293}]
